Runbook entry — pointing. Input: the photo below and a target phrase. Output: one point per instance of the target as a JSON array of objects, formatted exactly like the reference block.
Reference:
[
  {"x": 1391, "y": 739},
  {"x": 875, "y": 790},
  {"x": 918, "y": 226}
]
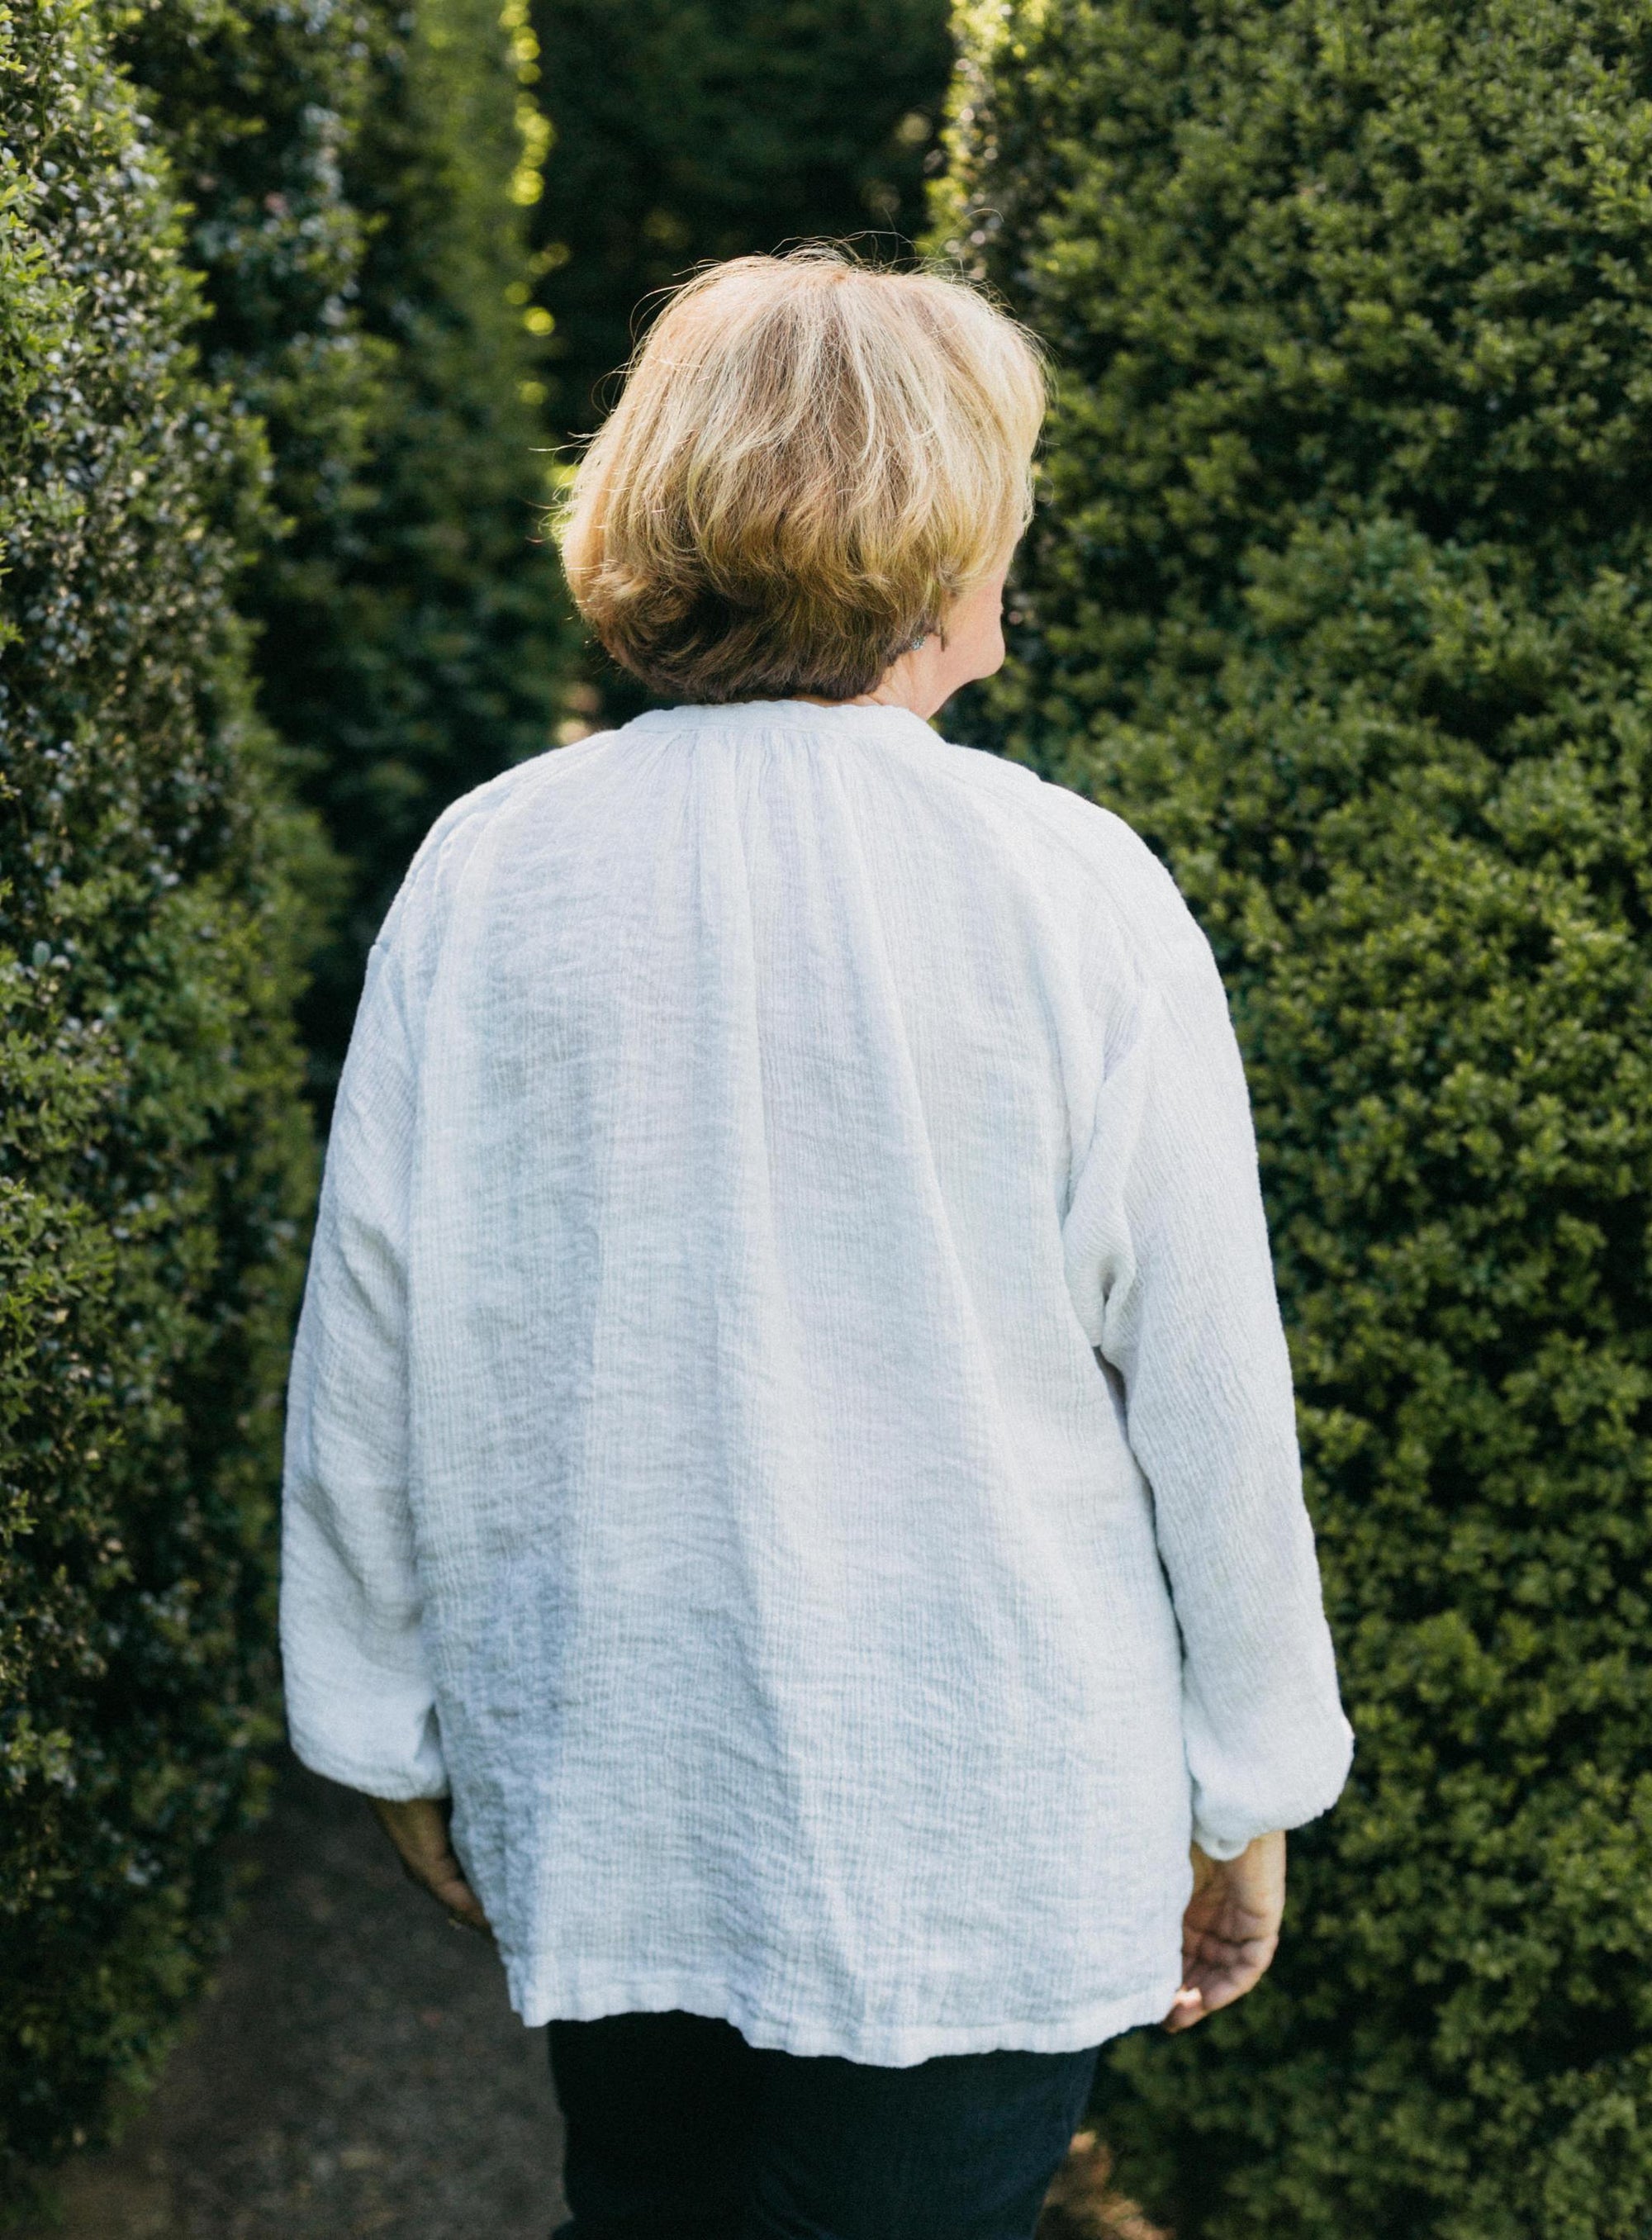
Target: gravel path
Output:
[{"x": 356, "y": 2070}]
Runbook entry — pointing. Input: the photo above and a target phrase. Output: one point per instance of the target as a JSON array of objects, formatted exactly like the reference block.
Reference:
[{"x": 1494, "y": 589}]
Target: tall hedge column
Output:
[
  {"x": 1340, "y": 592},
  {"x": 361, "y": 182},
  {"x": 155, "y": 1159}
]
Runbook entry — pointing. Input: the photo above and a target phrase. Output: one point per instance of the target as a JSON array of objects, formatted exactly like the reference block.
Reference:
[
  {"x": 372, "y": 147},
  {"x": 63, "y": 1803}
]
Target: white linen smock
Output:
[{"x": 789, "y": 1422}]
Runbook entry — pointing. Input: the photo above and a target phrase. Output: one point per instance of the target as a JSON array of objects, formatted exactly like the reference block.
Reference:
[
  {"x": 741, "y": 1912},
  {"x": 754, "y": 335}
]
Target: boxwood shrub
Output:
[
  {"x": 1340, "y": 592},
  {"x": 682, "y": 132},
  {"x": 156, "y": 1157},
  {"x": 359, "y": 185}
]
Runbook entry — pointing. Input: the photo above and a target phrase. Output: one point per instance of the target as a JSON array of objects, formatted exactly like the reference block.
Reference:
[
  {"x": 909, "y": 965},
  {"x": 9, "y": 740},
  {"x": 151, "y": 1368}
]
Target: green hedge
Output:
[
  {"x": 683, "y": 131},
  {"x": 1340, "y": 593},
  {"x": 156, "y": 1162},
  {"x": 361, "y": 174},
  {"x": 276, "y": 531}
]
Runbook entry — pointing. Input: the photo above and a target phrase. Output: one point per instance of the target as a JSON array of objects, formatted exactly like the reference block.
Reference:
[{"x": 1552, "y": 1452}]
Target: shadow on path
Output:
[{"x": 356, "y": 2068}]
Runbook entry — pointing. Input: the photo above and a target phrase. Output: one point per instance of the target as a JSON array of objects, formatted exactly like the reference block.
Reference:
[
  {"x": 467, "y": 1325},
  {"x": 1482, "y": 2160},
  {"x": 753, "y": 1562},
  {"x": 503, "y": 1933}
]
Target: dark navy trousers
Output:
[{"x": 678, "y": 2130}]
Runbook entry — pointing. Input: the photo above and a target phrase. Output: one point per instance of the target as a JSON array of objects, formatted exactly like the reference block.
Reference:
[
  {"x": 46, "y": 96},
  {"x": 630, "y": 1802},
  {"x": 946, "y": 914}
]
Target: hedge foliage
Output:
[
  {"x": 156, "y": 1161},
  {"x": 265, "y": 532},
  {"x": 683, "y": 131},
  {"x": 360, "y": 172},
  {"x": 1340, "y": 593}
]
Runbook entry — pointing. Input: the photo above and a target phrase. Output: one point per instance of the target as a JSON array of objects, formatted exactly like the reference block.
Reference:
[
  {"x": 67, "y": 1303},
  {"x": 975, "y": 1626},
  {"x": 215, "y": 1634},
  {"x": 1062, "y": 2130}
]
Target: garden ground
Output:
[{"x": 356, "y": 2068}]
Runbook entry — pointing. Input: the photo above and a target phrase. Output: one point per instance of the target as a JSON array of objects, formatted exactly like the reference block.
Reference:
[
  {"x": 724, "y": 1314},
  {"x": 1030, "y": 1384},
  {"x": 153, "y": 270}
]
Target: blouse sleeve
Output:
[
  {"x": 361, "y": 1707},
  {"x": 1169, "y": 1266}
]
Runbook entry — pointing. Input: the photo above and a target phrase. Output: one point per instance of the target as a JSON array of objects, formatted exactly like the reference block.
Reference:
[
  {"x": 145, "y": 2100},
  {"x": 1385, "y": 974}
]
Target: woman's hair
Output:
[{"x": 810, "y": 462}]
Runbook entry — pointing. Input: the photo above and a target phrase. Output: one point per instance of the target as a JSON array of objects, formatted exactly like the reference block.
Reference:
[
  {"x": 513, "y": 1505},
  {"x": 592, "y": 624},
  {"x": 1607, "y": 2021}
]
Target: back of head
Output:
[{"x": 810, "y": 461}]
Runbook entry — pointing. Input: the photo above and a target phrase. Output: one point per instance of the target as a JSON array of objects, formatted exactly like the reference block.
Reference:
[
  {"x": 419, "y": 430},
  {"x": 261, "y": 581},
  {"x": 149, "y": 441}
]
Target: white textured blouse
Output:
[{"x": 789, "y": 1423}]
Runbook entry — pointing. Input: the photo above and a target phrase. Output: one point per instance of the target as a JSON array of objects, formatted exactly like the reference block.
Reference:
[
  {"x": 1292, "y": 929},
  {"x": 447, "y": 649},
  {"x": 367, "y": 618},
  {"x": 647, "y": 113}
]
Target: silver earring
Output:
[{"x": 922, "y": 639}]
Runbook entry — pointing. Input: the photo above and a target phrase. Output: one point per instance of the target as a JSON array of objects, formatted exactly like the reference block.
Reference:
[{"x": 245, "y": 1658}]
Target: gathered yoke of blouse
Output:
[{"x": 789, "y": 1425}]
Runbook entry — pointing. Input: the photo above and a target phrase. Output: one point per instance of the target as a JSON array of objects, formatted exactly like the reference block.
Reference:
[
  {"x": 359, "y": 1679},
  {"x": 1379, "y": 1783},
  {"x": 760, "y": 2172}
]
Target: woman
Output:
[{"x": 791, "y": 1438}]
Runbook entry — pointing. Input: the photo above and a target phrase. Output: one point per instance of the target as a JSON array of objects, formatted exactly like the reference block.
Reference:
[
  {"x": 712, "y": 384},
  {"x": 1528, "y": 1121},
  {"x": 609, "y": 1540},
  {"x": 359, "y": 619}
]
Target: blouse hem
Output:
[{"x": 539, "y": 1997}]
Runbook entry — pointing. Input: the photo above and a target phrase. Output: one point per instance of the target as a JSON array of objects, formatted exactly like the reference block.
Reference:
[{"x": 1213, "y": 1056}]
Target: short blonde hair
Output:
[{"x": 810, "y": 461}]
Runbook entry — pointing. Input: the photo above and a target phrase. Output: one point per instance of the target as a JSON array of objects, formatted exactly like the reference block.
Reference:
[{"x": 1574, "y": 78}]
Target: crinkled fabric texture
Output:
[{"x": 789, "y": 1422}]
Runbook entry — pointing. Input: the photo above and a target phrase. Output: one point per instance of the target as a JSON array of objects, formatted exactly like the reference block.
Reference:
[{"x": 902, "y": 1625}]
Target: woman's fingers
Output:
[
  {"x": 418, "y": 1828},
  {"x": 1208, "y": 1988},
  {"x": 1231, "y": 1931},
  {"x": 445, "y": 1880},
  {"x": 1185, "y": 2010},
  {"x": 1222, "y": 1971},
  {"x": 462, "y": 1905}
]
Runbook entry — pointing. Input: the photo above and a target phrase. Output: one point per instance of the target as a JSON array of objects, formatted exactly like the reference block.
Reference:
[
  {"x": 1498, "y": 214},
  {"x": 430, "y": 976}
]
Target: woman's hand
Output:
[
  {"x": 1230, "y": 1930},
  {"x": 419, "y": 1830}
]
